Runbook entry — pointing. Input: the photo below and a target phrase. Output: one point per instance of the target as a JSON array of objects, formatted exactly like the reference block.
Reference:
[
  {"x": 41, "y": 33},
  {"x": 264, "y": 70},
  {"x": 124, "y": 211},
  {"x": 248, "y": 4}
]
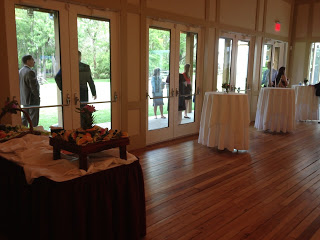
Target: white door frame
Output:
[
  {"x": 193, "y": 127},
  {"x": 69, "y": 54},
  {"x": 176, "y": 129},
  {"x": 113, "y": 17}
]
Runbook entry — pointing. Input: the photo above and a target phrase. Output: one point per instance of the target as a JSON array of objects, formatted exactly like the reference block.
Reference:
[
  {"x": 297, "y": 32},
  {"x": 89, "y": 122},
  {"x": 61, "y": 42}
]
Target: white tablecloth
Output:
[
  {"x": 307, "y": 103},
  {"x": 225, "y": 121},
  {"x": 35, "y": 155},
  {"x": 276, "y": 110}
]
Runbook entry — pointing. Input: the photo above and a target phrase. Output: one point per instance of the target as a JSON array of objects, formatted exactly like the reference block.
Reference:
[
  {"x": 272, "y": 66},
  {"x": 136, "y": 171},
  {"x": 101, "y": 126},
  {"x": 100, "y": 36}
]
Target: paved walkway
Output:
[{"x": 163, "y": 122}]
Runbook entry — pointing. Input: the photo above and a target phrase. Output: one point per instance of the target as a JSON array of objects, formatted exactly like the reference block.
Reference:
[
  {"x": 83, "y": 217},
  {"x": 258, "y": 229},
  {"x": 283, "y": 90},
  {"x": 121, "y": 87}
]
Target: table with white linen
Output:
[
  {"x": 276, "y": 110},
  {"x": 307, "y": 103},
  {"x": 225, "y": 121},
  {"x": 42, "y": 198}
]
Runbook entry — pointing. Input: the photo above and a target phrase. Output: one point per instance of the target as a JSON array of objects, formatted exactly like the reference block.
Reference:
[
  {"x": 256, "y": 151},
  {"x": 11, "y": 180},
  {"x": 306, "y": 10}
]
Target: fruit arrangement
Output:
[
  {"x": 8, "y": 132},
  {"x": 92, "y": 135}
]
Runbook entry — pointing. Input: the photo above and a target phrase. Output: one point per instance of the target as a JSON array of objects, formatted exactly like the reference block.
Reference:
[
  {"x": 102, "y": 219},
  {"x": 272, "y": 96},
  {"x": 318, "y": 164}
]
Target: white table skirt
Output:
[
  {"x": 307, "y": 103},
  {"x": 276, "y": 110},
  {"x": 225, "y": 121}
]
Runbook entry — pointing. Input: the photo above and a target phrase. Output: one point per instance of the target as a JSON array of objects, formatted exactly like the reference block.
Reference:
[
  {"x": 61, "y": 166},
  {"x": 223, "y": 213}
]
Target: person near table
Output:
[
  {"x": 266, "y": 80},
  {"x": 281, "y": 79},
  {"x": 157, "y": 92},
  {"x": 187, "y": 90},
  {"x": 29, "y": 91}
]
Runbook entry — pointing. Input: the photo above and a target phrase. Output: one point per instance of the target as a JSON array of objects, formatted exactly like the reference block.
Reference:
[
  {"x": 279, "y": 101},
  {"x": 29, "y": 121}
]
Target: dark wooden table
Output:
[{"x": 83, "y": 151}]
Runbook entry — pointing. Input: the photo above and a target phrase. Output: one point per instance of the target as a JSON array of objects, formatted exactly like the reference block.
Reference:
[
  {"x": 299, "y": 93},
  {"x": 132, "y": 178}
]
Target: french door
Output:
[
  {"x": 172, "y": 111},
  {"x": 54, "y": 33},
  {"x": 274, "y": 55},
  {"x": 233, "y": 61}
]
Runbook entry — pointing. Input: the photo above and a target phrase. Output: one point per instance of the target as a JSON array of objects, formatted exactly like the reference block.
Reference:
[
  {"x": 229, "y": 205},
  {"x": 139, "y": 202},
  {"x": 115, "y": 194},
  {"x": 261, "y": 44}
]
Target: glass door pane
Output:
[
  {"x": 269, "y": 66},
  {"x": 314, "y": 63},
  {"x": 94, "y": 67},
  {"x": 266, "y": 65},
  {"x": 37, "y": 32},
  {"x": 188, "y": 68},
  {"x": 158, "y": 78},
  {"x": 242, "y": 65},
  {"x": 224, "y": 62}
]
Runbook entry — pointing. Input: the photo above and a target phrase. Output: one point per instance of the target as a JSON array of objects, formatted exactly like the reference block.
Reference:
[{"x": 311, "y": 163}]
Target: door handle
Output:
[
  {"x": 115, "y": 97},
  {"x": 76, "y": 99},
  {"x": 172, "y": 92},
  {"x": 198, "y": 91},
  {"x": 177, "y": 92},
  {"x": 68, "y": 100}
]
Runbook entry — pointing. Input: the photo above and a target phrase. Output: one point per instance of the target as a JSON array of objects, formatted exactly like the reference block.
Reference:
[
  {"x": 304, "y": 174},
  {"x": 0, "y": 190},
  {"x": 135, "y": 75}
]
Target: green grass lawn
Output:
[{"x": 49, "y": 116}]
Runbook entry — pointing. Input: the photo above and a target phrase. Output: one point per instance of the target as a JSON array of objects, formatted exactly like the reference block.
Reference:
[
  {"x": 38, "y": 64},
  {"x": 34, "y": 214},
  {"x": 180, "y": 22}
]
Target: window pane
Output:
[
  {"x": 159, "y": 81},
  {"x": 188, "y": 67},
  {"x": 224, "y": 62},
  {"x": 242, "y": 65},
  {"x": 38, "y": 36},
  {"x": 94, "y": 67},
  {"x": 314, "y": 63}
]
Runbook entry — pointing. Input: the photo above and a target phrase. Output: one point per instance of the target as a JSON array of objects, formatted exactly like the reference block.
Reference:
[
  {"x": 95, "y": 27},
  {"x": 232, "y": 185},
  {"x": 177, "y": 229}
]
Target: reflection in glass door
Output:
[
  {"x": 158, "y": 78},
  {"x": 267, "y": 62},
  {"x": 188, "y": 68},
  {"x": 271, "y": 61},
  {"x": 224, "y": 62},
  {"x": 242, "y": 65},
  {"x": 94, "y": 67},
  {"x": 37, "y": 33},
  {"x": 314, "y": 65}
]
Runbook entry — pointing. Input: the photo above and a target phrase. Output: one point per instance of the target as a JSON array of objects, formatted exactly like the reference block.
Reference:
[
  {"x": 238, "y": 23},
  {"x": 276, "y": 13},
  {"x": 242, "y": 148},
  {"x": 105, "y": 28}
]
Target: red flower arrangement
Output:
[{"x": 86, "y": 115}]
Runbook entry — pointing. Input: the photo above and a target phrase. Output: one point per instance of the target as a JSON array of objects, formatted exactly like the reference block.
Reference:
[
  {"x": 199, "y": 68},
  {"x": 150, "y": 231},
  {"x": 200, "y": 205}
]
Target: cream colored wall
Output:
[
  {"x": 212, "y": 10},
  {"x": 260, "y": 13},
  {"x": 190, "y": 8},
  {"x": 238, "y": 13},
  {"x": 301, "y": 25},
  {"x": 133, "y": 58},
  {"x": 5, "y": 84},
  {"x": 133, "y": 76},
  {"x": 278, "y": 11},
  {"x": 209, "y": 57},
  {"x": 298, "y": 62},
  {"x": 306, "y": 29},
  {"x": 316, "y": 20}
]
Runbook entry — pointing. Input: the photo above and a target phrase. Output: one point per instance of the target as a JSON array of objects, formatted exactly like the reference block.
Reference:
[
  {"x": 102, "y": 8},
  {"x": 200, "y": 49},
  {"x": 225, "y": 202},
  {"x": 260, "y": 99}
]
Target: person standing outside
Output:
[
  {"x": 281, "y": 79},
  {"x": 29, "y": 90},
  {"x": 188, "y": 88},
  {"x": 84, "y": 79},
  {"x": 266, "y": 80},
  {"x": 157, "y": 92}
]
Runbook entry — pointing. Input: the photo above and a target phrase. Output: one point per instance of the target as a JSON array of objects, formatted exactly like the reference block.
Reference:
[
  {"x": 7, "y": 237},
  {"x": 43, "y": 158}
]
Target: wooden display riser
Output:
[{"x": 83, "y": 151}]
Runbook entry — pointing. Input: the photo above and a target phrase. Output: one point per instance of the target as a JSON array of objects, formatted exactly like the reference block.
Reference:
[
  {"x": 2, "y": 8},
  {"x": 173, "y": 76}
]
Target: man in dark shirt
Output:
[{"x": 85, "y": 78}]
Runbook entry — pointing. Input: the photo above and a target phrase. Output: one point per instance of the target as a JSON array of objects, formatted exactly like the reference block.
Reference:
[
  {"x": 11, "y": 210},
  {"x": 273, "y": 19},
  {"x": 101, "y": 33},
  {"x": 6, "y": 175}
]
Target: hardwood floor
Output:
[{"x": 271, "y": 191}]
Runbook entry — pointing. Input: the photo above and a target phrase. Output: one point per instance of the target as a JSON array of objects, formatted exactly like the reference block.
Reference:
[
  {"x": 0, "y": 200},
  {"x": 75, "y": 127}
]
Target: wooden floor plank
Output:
[{"x": 271, "y": 191}]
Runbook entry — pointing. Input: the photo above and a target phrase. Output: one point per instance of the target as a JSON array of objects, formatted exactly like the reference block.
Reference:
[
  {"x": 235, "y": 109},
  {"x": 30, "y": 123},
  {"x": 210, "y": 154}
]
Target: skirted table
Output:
[
  {"x": 109, "y": 204},
  {"x": 307, "y": 103},
  {"x": 276, "y": 110},
  {"x": 225, "y": 121}
]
